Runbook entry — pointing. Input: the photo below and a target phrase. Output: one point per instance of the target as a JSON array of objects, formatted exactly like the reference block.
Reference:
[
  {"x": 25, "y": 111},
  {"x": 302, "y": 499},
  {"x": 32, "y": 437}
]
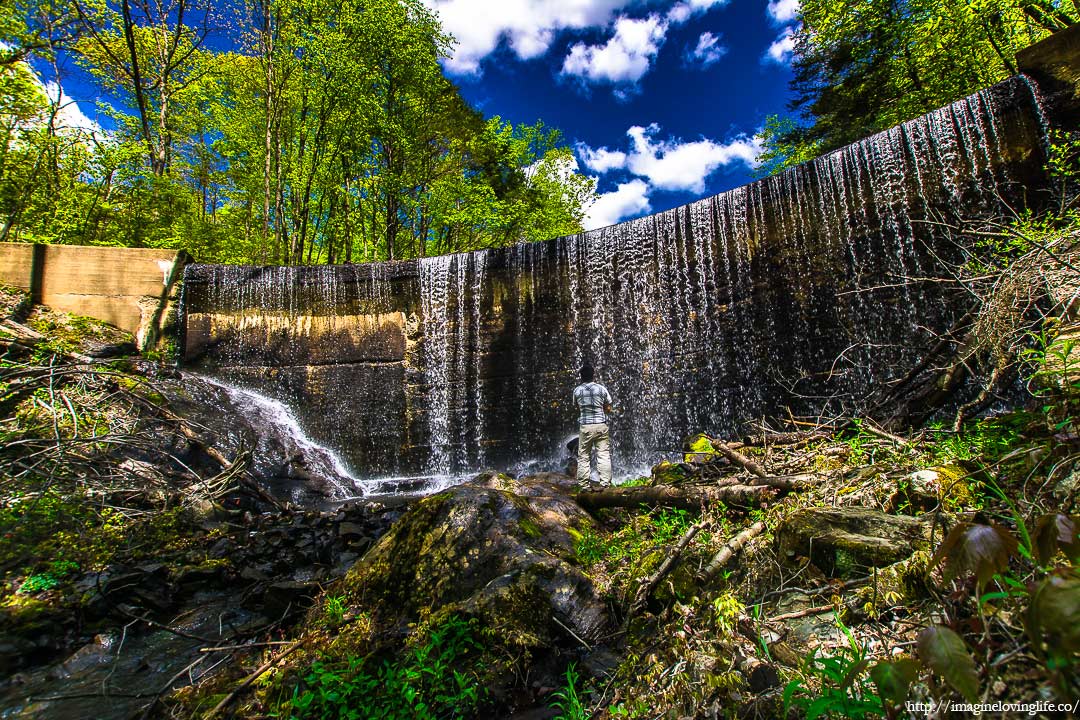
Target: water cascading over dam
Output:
[{"x": 794, "y": 293}]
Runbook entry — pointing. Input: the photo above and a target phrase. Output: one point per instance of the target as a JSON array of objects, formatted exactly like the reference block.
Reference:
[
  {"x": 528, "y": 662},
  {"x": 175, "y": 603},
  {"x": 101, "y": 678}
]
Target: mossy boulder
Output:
[
  {"x": 698, "y": 449},
  {"x": 947, "y": 485},
  {"x": 498, "y": 549},
  {"x": 669, "y": 473}
]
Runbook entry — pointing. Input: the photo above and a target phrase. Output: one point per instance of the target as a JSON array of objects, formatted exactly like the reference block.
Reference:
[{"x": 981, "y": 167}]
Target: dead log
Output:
[
  {"x": 727, "y": 552},
  {"x": 686, "y": 497},
  {"x": 641, "y": 597},
  {"x": 739, "y": 459},
  {"x": 787, "y": 482},
  {"x": 759, "y": 675},
  {"x": 804, "y": 613},
  {"x": 874, "y": 430},
  {"x": 777, "y": 438}
]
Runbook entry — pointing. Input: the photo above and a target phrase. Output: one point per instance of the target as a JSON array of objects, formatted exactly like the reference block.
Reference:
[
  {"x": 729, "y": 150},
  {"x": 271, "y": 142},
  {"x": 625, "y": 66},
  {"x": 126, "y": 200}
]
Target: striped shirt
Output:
[{"x": 591, "y": 398}]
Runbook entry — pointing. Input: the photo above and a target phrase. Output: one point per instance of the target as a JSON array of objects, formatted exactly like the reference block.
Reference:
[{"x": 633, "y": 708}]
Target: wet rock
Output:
[
  {"x": 497, "y": 548},
  {"x": 90, "y": 655}
]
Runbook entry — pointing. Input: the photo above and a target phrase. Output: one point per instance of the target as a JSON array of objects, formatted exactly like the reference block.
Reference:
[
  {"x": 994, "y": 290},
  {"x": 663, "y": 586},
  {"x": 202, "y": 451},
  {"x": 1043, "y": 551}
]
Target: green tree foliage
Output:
[
  {"x": 328, "y": 133},
  {"x": 862, "y": 66}
]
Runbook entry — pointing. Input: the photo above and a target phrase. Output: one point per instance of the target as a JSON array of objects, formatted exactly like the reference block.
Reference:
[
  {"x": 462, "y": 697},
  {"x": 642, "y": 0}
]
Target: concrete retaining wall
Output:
[{"x": 131, "y": 288}]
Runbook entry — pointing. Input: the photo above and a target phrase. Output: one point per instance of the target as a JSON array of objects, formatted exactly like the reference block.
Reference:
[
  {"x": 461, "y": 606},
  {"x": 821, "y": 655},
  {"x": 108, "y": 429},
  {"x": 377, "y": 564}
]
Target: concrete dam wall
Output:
[{"x": 796, "y": 293}]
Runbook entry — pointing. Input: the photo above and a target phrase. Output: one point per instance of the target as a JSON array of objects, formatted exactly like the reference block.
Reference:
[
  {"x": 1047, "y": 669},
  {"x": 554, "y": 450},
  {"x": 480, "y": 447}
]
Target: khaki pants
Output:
[{"x": 589, "y": 437}]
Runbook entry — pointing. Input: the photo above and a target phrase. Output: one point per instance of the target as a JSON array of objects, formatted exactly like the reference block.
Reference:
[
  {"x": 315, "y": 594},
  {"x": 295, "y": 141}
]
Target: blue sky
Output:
[{"x": 659, "y": 99}]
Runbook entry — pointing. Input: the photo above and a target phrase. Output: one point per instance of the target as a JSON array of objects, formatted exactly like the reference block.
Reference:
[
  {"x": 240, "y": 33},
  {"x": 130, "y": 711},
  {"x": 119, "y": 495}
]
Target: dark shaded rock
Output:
[
  {"x": 601, "y": 663},
  {"x": 193, "y": 578},
  {"x": 222, "y": 548},
  {"x": 253, "y": 574},
  {"x": 96, "y": 349},
  {"x": 348, "y": 530},
  {"x": 288, "y": 597}
]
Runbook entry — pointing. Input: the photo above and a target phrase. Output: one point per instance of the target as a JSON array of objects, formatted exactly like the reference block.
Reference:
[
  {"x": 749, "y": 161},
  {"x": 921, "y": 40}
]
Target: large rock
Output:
[
  {"x": 847, "y": 540},
  {"x": 497, "y": 549}
]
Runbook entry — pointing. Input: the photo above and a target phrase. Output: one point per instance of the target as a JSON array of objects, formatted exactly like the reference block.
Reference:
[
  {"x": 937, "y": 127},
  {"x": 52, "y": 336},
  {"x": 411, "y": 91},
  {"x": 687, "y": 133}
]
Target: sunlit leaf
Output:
[
  {"x": 1057, "y": 531},
  {"x": 893, "y": 679},
  {"x": 852, "y": 674},
  {"x": 1053, "y": 617},
  {"x": 944, "y": 652},
  {"x": 972, "y": 548}
]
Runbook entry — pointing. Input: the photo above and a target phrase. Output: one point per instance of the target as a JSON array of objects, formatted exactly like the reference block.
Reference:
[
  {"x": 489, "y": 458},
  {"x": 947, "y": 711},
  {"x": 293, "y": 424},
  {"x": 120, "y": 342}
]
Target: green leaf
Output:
[
  {"x": 852, "y": 674},
  {"x": 789, "y": 692},
  {"x": 819, "y": 707},
  {"x": 944, "y": 652},
  {"x": 893, "y": 679}
]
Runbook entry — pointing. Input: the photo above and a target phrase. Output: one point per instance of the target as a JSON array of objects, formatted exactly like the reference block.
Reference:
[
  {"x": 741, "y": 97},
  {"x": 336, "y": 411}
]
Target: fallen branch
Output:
[
  {"x": 225, "y": 701},
  {"x": 687, "y": 497},
  {"x": 874, "y": 430},
  {"x": 804, "y": 613},
  {"x": 641, "y": 597},
  {"x": 739, "y": 459},
  {"x": 729, "y": 550},
  {"x": 777, "y": 437},
  {"x": 786, "y": 482}
]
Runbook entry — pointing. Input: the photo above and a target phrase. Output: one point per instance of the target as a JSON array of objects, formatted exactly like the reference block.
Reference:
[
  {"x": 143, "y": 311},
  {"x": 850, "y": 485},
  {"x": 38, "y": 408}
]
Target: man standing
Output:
[{"x": 594, "y": 405}]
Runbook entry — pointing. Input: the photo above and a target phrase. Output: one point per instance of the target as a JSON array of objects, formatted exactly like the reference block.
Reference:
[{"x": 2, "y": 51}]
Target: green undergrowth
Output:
[
  {"x": 617, "y": 559},
  {"x": 436, "y": 677},
  {"x": 73, "y": 440},
  {"x": 1004, "y": 472}
]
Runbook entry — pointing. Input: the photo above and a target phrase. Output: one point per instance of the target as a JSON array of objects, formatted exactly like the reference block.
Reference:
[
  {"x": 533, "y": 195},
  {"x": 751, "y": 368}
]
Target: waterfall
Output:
[
  {"x": 450, "y": 290},
  {"x": 799, "y": 293},
  {"x": 275, "y": 421}
]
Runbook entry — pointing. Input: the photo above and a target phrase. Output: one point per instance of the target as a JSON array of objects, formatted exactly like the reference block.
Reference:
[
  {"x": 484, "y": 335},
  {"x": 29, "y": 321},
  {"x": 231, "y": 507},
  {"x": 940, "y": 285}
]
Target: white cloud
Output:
[
  {"x": 671, "y": 164},
  {"x": 708, "y": 50},
  {"x": 627, "y": 200},
  {"x": 625, "y": 57},
  {"x": 674, "y": 165},
  {"x": 781, "y": 49},
  {"x": 783, "y": 11},
  {"x": 601, "y": 160},
  {"x": 527, "y": 26},
  {"x": 680, "y": 12},
  {"x": 70, "y": 116}
]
